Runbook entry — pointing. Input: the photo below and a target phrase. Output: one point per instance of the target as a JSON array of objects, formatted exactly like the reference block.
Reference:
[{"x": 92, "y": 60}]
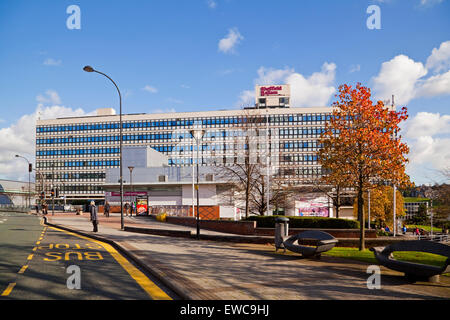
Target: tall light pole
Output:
[
  {"x": 268, "y": 161},
  {"x": 131, "y": 185},
  {"x": 53, "y": 189},
  {"x": 368, "y": 205},
  {"x": 197, "y": 134},
  {"x": 29, "y": 179},
  {"x": 395, "y": 210},
  {"x": 90, "y": 69}
]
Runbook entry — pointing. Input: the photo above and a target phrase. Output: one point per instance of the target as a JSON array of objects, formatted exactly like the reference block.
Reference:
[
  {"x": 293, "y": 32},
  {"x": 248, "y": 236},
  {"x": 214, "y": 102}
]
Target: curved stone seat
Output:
[
  {"x": 411, "y": 269},
  {"x": 322, "y": 242}
]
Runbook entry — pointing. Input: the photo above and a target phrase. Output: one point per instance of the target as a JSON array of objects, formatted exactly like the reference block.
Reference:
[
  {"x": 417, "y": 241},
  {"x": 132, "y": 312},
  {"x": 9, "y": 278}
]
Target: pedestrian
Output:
[
  {"x": 404, "y": 229},
  {"x": 127, "y": 206},
  {"x": 44, "y": 208},
  {"x": 107, "y": 208},
  {"x": 132, "y": 208},
  {"x": 94, "y": 219},
  {"x": 37, "y": 209}
]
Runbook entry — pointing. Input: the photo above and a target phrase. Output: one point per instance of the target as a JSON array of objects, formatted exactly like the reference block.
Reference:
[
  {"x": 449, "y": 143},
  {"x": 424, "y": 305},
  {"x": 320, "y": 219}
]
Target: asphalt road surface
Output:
[{"x": 38, "y": 262}]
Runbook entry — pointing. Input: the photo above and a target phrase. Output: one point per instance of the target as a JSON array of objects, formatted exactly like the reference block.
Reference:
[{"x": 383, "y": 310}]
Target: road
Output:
[{"x": 38, "y": 262}]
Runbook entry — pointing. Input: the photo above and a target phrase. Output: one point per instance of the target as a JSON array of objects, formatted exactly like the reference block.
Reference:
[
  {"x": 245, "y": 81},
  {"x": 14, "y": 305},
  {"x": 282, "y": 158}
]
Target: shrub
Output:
[{"x": 306, "y": 222}]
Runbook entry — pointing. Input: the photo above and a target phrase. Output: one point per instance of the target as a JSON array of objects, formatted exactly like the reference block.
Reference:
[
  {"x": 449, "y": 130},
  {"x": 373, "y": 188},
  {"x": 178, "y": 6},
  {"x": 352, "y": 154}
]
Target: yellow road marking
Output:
[
  {"x": 151, "y": 288},
  {"x": 30, "y": 257},
  {"x": 23, "y": 269},
  {"x": 8, "y": 289},
  {"x": 38, "y": 242}
]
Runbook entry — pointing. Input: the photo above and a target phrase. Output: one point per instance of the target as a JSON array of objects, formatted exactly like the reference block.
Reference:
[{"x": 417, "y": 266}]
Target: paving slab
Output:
[{"x": 214, "y": 270}]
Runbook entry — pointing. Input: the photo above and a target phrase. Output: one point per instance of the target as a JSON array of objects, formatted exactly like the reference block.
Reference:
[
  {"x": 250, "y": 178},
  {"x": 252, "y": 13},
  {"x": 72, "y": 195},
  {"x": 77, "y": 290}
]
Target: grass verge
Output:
[{"x": 368, "y": 256}]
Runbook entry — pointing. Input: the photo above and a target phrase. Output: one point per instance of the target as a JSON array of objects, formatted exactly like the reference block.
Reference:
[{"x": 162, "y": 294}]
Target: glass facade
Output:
[{"x": 74, "y": 153}]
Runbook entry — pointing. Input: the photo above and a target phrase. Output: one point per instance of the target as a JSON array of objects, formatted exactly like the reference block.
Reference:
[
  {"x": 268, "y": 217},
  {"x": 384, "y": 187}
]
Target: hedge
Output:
[{"x": 306, "y": 222}]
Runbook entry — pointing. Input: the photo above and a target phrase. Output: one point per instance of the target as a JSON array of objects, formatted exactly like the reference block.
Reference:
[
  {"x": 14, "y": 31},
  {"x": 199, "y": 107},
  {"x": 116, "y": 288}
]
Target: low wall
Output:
[
  {"x": 235, "y": 227},
  {"x": 250, "y": 228},
  {"x": 337, "y": 233}
]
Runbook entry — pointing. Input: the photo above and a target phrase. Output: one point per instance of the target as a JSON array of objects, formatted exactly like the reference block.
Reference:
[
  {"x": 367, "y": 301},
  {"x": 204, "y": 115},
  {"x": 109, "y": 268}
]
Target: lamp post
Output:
[
  {"x": 395, "y": 210},
  {"x": 268, "y": 162},
  {"x": 53, "y": 190},
  {"x": 197, "y": 134},
  {"x": 368, "y": 205},
  {"x": 131, "y": 185},
  {"x": 29, "y": 179},
  {"x": 90, "y": 69}
]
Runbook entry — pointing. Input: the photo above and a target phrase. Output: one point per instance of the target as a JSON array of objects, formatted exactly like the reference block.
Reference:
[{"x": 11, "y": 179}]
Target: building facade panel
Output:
[{"x": 73, "y": 154}]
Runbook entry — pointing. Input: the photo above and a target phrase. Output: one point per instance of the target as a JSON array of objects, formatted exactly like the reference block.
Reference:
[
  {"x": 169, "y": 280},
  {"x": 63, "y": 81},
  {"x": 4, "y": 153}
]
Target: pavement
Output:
[{"x": 224, "y": 270}]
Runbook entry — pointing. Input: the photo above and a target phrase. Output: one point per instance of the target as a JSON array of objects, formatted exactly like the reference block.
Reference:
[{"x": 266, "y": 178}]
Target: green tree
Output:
[{"x": 421, "y": 216}]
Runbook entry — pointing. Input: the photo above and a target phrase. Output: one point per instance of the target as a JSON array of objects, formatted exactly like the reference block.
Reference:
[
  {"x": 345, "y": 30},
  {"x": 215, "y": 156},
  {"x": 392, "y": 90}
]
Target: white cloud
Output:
[
  {"x": 427, "y": 124},
  {"x": 398, "y": 77},
  {"x": 52, "y": 62},
  {"x": 429, "y": 2},
  {"x": 211, "y": 4},
  {"x": 405, "y": 78},
  {"x": 229, "y": 43},
  {"x": 440, "y": 58},
  {"x": 355, "y": 68},
  {"x": 51, "y": 96},
  {"x": 173, "y": 100},
  {"x": 167, "y": 110},
  {"x": 427, "y": 135},
  {"x": 246, "y": 98},
  {"x": 150, "y": 89},
  {"x": 268, "y": 76},
  {"x": 315, "y": 90},
  {"x": 185, "y": 86},
  {"x": 19, "y": 138},
  {"x": 434, "y": 86}
]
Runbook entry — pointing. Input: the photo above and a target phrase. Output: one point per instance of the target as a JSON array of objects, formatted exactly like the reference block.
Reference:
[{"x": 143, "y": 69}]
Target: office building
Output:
[{"x": 74, "y": 153}]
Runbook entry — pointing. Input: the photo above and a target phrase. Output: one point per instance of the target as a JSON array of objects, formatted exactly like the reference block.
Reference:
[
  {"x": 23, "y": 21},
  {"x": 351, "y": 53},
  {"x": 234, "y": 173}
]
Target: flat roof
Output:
[{"x": 189, "y": 114}]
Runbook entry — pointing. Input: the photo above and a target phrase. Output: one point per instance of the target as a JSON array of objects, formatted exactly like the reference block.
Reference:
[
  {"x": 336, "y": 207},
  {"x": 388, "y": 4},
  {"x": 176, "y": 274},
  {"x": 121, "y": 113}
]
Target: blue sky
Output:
[{"x": 172, "y": 48}]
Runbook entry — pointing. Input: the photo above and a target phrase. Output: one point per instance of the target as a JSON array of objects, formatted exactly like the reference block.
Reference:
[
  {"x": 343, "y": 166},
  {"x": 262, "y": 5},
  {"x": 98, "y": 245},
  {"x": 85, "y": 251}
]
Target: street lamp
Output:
[
  {"x": 197, "y": 134},
  {"x": 29, "y": 179},
  {"x": 368, "y": 205},
  {"x": 131, "y": 185},
  {"x": 90, "y": 69}
]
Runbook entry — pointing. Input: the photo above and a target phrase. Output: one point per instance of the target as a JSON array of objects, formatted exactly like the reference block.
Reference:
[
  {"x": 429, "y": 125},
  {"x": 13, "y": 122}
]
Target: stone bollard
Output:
[{"x": 281, "y": 231}]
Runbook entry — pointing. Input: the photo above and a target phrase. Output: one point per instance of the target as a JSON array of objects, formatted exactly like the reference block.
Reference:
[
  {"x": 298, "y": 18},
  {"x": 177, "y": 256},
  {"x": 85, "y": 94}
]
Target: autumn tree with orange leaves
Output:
[{"x": 361, "y": 145}]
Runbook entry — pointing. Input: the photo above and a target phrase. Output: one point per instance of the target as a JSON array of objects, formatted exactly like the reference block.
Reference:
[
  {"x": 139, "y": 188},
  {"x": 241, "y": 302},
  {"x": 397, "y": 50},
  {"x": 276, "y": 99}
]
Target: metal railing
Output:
[{"x": 435, "y": 237}]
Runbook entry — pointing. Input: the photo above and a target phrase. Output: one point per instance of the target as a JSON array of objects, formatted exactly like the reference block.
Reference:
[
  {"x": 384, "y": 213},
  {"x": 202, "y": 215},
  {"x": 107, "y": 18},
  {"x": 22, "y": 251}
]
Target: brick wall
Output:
[
  {"x": 236, "y": 227},
  {"x": 206, "y": 212}
]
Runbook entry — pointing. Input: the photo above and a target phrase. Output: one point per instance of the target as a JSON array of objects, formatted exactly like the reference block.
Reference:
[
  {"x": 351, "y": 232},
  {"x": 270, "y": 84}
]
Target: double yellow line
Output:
[
  {"x": 11, "y": 286},
  {"x": 150, "y": 287}
]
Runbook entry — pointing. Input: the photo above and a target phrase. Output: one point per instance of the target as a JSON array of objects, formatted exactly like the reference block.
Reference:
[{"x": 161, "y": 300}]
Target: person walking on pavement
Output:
[
  {"x": 127, "y": 206},
  {"x": 44, "y": 208},
  {"x": 107, "y": 208},
  {"x": 94, "y": 218}
]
